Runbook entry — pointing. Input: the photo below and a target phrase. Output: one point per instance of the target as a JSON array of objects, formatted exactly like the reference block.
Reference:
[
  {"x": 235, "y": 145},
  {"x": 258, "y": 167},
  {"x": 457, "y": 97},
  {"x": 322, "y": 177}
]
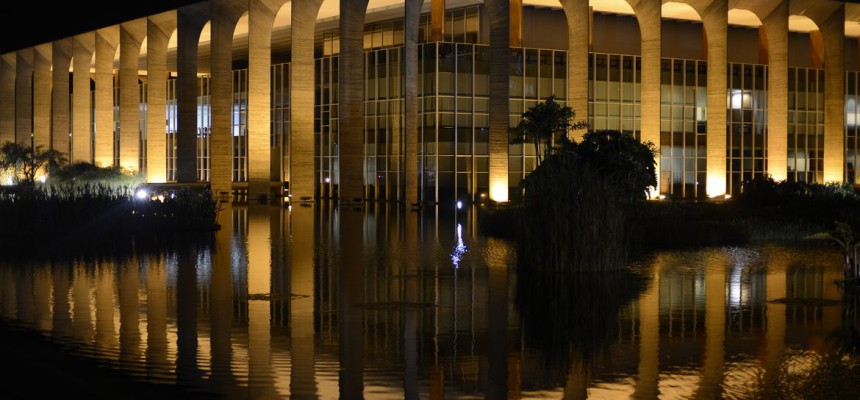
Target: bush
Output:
[{"x": 577, "y": 201}]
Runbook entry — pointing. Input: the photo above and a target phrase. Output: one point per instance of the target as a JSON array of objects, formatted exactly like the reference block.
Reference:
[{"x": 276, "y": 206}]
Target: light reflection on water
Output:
[{"x": 319, "y": 302}]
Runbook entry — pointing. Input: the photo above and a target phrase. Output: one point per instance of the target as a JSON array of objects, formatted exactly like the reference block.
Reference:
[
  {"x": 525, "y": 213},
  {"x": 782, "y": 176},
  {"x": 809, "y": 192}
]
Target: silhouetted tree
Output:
[{"x": 543, "y": 122}]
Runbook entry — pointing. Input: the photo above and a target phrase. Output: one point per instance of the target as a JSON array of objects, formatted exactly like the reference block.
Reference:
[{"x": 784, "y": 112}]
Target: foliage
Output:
[
  {"x": 544, "y": 122},
  {"x": 577, "y": 202},
  {"x": 87, "y": 174},
  {"x": 843, "y": 235},
  {"x": 24, "y": 162}
]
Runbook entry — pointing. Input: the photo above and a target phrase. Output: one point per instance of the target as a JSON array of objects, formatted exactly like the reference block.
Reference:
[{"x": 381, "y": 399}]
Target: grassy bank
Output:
[{"x": 76, "y": 214}]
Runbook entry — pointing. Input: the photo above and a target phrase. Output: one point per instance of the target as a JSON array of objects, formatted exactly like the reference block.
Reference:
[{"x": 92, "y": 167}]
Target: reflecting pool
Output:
[{"x": 331, "y": 302}]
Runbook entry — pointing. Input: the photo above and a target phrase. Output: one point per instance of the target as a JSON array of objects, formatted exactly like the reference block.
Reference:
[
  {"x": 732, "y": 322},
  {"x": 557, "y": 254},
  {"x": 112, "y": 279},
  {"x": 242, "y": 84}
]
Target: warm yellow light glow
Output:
[
  {"x": 728, "y": 196},
  {"x": 716, "y": 185},
  {"x": 42, "y": 178},
  {"x": 499, "y": 191}
]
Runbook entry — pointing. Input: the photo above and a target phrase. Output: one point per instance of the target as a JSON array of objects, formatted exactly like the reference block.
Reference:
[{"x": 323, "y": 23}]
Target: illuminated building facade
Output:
[{"x": 412, "y": 101}]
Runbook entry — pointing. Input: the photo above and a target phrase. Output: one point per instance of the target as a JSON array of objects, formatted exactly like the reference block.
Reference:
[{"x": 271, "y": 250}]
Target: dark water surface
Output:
[{"x": 323, "y": 302}]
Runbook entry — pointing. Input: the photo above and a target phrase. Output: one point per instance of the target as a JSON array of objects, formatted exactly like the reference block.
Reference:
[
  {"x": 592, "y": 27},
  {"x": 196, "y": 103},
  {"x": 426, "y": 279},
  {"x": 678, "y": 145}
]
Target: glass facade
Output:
[
  {"x": 852, "y": 126},
  {"x": 683, "y": 127},
  {"x": 535, "y": 74},
  {"x": 746, "y": 117},
  {"x": 239, "y": 130},
  {"x": 280, "y": 129},
  {"x": 204, "y": 128},
  {"x": 171, "y": 128},
  {"x": 325, "y": 126},
  {"x": 613, "y": 93},
  {"x": 806, "y": 124}
]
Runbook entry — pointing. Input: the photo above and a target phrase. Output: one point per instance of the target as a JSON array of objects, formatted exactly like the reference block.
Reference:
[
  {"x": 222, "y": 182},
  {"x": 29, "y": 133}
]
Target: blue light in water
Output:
[
  {"x": 459, "y": 249},
  {"x": 459, "y": 205}
]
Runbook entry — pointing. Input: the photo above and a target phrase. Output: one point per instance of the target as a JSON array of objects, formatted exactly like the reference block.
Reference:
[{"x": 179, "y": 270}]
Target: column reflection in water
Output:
[
  {"x": 62, "y": 317},
  {"x": 42, "y": 288},
  {"x": 351, "y": 292},
  {"x": 187, "y": 295},
  {"x": 497, "y": 329},
  {"x": 775, "y": 312},
  {"x": 82, "y": 317},
  {"x": 221, "y": 303},
  {"x": 259, "y": 242},
  {"x": 647, "y": 386},
  {"x": 9, "y": 307},
  {"x": 129, "y": 332},
  {"x": 24, "y": 290},
  {"x": 302, "y": 234},
  {"x": 715, "y": 327},
  {"x": 106, "y": 335},
  {"x": 411, "y": 297},
  {"x": 156, "y": 317}
]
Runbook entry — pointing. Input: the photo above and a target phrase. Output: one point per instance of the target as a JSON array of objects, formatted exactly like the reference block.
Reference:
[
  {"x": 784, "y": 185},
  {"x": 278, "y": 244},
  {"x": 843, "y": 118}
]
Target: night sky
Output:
[
  {"x": 72, "y": 21},
  {"x": 33, "y": 14}
]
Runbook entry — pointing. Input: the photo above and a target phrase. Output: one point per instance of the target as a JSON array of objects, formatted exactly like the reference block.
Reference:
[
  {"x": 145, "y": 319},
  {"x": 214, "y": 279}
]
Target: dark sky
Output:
[{"x": 73, "y": 17}]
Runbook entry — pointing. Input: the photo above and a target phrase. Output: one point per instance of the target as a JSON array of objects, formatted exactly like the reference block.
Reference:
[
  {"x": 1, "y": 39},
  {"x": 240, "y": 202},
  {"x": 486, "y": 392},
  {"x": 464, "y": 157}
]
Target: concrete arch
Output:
[
  {"x": 499, "y": 14},
  {"x": 132, "y": 36},
  {"x": 774, "y": 18},
  {"x": 159, "y": 30},
  {"x": 225, "y": 15},
  {"x": 7, "y": 98},
  {"x": 829, "y": 16},
  {"x": 262, "y": 167},
  {"x": 106, "y": 43},
  {"x": 190, "y": 21},
  {"x": 24, "y": 96},
  {"x": 61, "y": 60},
  {"x": 714, "y": 16}
]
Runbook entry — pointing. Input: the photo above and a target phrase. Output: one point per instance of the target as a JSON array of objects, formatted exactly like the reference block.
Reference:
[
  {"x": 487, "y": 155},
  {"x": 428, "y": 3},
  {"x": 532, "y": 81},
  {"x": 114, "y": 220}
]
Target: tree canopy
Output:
[
  {"x": 544, "y": 122},
  {"x": 24, "y": 162}
]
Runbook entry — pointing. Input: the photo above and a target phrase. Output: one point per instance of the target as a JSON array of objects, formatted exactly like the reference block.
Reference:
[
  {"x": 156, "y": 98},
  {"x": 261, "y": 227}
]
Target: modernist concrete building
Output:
[{"x": 411, "y": 100}]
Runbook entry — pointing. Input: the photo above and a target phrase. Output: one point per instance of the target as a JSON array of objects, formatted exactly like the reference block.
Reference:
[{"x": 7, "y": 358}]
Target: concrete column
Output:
[
  {"x": 648, "y": 13},
  {"x": 131, "y": 35},
  {"x": 261, "y": 17},
  {"x": 61, "y": 59},
  {"x": 715, "y": 20},
  {"x": 578, "y": 17},
  {"x": 816, "y": 49},
  {"x": 7, "y": 98},
  {"x": 499, "y": 15},
  {"x": 410, "y": 82},
  {"x": 158, "y": 31},
  {"x": 42, "y": 95},
  {"x": 351, "y": 101},
  {"x": 107, "y": 40},
  {"x": 83, "y": 48},
  {"x": 225, "y": 15},
  {"x": 24, "y": 96},
  {"x": 189, "y": 23},
  {"x": 302, "y": 177},
  {"x": 302, "y": 236},
  {"x": 776, "y": 28},
  {"x": 833, "y": 29},
  {"x": 437, "y": 20}
]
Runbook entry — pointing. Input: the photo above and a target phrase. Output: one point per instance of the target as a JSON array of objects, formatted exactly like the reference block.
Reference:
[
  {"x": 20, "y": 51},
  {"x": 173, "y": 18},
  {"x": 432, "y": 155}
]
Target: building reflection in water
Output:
[{"x": 326, "y": 301}]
